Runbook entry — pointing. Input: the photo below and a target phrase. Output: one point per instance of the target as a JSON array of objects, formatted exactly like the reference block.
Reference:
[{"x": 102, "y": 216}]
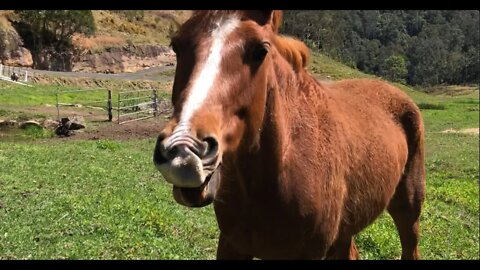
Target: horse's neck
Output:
[
  {"x": 284, "y": 109},
  {"x": 296, "y": 99}
]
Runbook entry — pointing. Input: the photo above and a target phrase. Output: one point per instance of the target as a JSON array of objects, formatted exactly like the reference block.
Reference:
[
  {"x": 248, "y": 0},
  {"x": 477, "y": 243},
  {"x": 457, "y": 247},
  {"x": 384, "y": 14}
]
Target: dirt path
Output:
[
  {"x": 153, "y": 74},
  {"x": 144, "y": 129}
]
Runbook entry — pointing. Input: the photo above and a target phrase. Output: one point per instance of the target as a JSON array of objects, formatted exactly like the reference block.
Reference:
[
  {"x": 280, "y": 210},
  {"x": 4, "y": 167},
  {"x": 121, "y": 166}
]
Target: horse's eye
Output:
[{"x": 259, "y": 51}]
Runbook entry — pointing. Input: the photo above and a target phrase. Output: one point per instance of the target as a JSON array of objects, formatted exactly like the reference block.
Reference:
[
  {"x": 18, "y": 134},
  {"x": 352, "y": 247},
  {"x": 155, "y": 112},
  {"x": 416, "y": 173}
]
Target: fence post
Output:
[
  {"x": 118, "y": 108},
  {"x": 26, "y": 75},
  {"x": 58, "y": 109},
  {"x": 155, "y": 105},
  {"x": 1, "y": 69},
  {"x": 110, "y": 115}
]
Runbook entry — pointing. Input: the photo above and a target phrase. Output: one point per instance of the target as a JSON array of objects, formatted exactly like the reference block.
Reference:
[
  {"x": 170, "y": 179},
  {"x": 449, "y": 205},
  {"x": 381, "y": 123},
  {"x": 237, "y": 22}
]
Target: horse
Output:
[{"x": 295, "y": 167}]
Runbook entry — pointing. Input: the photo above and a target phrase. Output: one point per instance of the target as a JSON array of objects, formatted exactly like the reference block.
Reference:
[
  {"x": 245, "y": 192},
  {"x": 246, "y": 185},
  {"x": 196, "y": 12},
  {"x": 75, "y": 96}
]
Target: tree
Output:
[
  {"x": 65, "y": 23},
  {"x": 394, "y": 68},
  {"x": 436, "y": 46},
  {"x": 56, "y": 27}
]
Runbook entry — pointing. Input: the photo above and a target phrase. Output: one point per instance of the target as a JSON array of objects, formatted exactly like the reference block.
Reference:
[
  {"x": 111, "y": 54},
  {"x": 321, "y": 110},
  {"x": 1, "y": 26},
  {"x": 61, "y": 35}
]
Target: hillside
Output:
[
  {"x": 124, "y": 41},
  {"x": 421, "y": 47},
  {"x": 119, "y": 28}
]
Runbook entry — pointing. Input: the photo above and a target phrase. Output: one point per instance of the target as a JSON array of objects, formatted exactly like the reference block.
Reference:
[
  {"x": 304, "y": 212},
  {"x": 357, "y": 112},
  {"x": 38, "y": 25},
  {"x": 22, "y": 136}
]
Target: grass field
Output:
[{"x": 105, "y": 200}]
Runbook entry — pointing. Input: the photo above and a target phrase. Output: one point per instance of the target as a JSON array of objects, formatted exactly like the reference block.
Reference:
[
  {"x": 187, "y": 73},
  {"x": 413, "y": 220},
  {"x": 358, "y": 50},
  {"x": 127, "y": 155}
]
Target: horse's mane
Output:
[{"x": 292, "y": 49}]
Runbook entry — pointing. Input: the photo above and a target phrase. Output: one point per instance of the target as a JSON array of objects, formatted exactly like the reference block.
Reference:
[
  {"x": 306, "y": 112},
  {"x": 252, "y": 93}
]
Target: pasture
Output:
[{"x": 104, "y": 199}]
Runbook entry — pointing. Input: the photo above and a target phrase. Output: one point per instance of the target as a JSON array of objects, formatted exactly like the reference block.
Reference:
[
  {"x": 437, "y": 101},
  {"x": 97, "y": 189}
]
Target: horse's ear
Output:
[
  {"x": 272, "y": 17},
  {"x": 276, "y": 20}
]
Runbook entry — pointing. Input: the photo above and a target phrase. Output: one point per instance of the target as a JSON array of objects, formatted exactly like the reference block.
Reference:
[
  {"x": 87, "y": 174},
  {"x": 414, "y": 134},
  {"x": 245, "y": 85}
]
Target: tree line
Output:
[
  {"x": 419, "y": 47},
  {"x": 426, "y": 47}
]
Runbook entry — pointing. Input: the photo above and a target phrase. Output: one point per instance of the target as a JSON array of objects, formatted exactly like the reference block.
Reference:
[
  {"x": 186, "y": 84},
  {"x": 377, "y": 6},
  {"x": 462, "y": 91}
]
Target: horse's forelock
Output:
[{"x": 293, "y": 50}]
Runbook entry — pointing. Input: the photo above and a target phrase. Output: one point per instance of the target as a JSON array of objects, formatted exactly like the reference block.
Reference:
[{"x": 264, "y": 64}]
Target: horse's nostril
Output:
[
  {"x": 172, "y": 152},
  {"x": 212, "y": 146},
  {"x": 158, "y": 156}
]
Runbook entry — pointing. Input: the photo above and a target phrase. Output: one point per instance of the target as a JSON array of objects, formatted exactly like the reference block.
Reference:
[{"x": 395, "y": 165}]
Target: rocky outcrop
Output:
[
  {"x": 12, "y": 52},
  {"x": 51, "y": 59},
  {"x": 129, "y": 58}
]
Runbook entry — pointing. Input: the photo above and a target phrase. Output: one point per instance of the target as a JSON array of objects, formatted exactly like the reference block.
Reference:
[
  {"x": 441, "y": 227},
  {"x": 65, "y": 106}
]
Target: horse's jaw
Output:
[{"x": 199, "y": 196}]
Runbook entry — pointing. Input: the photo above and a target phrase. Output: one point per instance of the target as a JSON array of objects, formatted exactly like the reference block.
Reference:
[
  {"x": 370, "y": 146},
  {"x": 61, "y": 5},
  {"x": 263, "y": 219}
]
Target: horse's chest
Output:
[{"x": 268, "y": 232}]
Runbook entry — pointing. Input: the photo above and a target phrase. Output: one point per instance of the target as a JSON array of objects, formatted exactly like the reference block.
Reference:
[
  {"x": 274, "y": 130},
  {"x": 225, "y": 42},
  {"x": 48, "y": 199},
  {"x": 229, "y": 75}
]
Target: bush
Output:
[
  {"x": 394, "y": 68},
  {"x": 37, "y": 132},
  {"x": 430, "y": 106}
]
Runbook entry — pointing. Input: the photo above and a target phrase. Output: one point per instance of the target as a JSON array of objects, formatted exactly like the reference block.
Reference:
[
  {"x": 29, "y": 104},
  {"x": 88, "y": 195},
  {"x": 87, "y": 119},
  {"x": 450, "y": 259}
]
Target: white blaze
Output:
[{"x": 205, "y": 79}]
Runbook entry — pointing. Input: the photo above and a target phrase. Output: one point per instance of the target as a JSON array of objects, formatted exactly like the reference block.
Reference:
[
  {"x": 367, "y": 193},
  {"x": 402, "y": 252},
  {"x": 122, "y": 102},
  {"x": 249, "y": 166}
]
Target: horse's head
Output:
[{"x": 219, "y": 97}]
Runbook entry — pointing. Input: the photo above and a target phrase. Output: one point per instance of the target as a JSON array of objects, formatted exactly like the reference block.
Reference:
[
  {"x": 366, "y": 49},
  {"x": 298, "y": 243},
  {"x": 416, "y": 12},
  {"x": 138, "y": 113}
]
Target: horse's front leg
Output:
[{"x": 225, "y": 251}]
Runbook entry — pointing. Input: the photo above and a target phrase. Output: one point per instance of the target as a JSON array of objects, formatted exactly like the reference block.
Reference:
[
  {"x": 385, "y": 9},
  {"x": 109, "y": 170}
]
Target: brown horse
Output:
[{"x": 295, "y": 167}]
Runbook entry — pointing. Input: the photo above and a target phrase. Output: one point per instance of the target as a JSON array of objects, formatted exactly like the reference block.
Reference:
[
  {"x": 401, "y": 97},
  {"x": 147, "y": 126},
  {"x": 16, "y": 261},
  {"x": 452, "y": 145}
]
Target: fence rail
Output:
[
  {"x": 7, "y": 71},
  {"x": 137, "y": 105},
  {"x": 61, "y": 94},
  {"x": 131, "y": 106}
]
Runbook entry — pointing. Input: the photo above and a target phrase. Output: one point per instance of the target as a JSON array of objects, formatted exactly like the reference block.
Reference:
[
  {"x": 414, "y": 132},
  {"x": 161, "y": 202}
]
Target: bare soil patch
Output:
[
  {"x": 144, "y": 129},
  {"x": 464, "y": 131}
]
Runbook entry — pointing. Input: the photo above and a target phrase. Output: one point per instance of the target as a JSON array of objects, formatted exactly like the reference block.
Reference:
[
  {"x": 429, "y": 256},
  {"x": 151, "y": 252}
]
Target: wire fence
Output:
[
  {"x": 137, "y": 105},
  {"x": 98, "y": 98},
  {"x": 22, "y": 73},
  {"x": 131, "y": 105}
]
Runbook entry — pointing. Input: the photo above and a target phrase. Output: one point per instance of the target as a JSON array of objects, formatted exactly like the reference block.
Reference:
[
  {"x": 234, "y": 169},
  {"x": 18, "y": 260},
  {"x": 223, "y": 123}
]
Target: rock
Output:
[
  {"x": 12, "y": 52},
  {"x": 77, "y": 122},
  {"x": 63, "y": 128},
  {"x": 19, "y": 58},
  {"x": 49, "y": 58},
  {"x": 50, "y": 124},
  {"x": 67, "y": 125},
  {"x": 128, "y": 58},
  {"x": 144, "y": 106},
  {"x": 30, "y": 123},
  {"x": 8, "y": 123}
]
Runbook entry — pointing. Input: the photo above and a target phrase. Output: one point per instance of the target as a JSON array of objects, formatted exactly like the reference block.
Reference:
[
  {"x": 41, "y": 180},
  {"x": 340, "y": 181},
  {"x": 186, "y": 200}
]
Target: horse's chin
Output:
[{"x": 199, "y": 196}]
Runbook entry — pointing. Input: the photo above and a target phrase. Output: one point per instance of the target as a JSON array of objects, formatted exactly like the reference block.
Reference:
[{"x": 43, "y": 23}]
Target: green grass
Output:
[
  {"x": 430, "y": 106},
  {"x": 449, "y": 221},
  {"x": 14, "y": 96},
  {"x": 28, "y": 133},
  {"x": 105, "y": 200},
  {"x": 35, "y": 132},
  {"x": 327, "y": 67},
  {"x": 94, "y": 200},
  {"x": 11, "y": 94}
]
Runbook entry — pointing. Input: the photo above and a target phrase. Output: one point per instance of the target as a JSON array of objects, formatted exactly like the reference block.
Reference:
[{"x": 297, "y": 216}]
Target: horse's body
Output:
[{"x": 314, "y": 163}]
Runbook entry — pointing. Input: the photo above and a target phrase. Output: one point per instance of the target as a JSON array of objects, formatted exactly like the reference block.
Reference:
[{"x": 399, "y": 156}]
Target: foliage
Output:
[
  {"x": 56, "y": 27},
  {"x": 430, "y": 106},
  {"x": 437, "y": 46},
  {"x": 107, "y": 145},
  {"x": 394, "y": 68},
  {"x": 131, "y": 15},
  {"x": 35, "y": 132}
]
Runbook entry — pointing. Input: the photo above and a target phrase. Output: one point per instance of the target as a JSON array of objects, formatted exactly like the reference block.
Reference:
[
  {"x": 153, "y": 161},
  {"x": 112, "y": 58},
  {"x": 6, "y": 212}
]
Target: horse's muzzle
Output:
[{"x": 186, "y": 161}]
